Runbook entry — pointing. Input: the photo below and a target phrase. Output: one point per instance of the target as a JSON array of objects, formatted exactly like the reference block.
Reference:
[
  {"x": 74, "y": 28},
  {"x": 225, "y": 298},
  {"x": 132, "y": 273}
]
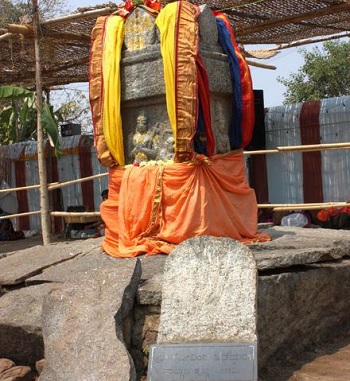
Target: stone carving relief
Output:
[
  {"x": 220, "y": 112},
  {"x": 142, "y": 140},
  {"x": 152, "y": 142},
  {"x": 140, "y": 30},
  {"x": 145, "y": 121}
]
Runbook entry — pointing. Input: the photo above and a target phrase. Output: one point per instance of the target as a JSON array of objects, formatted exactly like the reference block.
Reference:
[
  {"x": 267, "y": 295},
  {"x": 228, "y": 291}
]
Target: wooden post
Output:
[{"x": 44, "y": 197}]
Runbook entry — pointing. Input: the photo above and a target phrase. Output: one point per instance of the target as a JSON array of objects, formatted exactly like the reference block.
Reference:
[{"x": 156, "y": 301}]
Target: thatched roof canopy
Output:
[{"x": 65, "y": 41}]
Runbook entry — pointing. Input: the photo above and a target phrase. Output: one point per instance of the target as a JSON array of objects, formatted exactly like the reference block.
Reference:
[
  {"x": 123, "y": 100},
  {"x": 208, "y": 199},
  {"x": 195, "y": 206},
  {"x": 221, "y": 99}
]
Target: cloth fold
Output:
[
  {"x": 158, "y": 207},
  {"x": 112, "y": 121},
  {"x": 242, "y": 123}
]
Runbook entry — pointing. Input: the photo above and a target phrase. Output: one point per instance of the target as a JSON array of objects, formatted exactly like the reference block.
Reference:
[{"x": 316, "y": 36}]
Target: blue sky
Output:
[{"x": 287, "y": 61}]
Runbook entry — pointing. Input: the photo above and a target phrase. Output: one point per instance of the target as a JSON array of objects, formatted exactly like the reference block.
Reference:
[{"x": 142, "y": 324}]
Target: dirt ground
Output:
[{"x": 327, "y": 362}]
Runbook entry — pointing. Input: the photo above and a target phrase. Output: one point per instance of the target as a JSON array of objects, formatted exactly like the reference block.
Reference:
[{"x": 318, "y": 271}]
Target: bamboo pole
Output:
[
  {"x": 261, "y": 152},
  {"x": 55, "y": 185},
  {"x": 301, "y": 148},
  {"x": 27, "y": 30},
  {"x": 77, "y": 16},
  {"x": 308, "y": 206},
  {"x": 274, "y": 207},
  {"x": 67, "y": 183},
  {"x": 54, "y": 214},
  {"x": 313, "y": 147},
  {"x": 28, "y": 187},
  {"x": 20, "y": 28},
  {"x": 44, "y": 197},
  {"x": 261, "y": 65},
  {"x": 19, "y": 215},
  {"x": 307, "y": 41},
  {"x": 314, "y": 207},
  {"x": 7, "y": 36},
  {"x": 15, "y": 29},
  {"x": 75, "y": 214}
]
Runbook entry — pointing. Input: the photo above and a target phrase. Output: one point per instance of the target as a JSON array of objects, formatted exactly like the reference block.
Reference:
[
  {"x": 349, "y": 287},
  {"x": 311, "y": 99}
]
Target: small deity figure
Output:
[
  {"x": 143, "y": 141},
  {"x": 168, "y": 150}
]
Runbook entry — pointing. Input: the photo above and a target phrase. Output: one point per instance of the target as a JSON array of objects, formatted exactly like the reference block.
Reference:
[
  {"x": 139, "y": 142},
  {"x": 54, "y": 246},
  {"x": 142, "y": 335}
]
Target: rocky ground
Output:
[
  {"x": 6, "y": 247},
  {"x": 327, "y": 362}
]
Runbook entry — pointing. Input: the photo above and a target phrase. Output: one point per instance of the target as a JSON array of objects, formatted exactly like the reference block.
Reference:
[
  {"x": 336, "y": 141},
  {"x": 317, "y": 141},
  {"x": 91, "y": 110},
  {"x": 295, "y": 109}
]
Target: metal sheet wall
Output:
[
  {"x": 285, "y": 175},
  {"x": 69, "y": 169},
  {"x": 79, "y": 156},
  {"x": 335, "y": 128},
  {"x": 285, "y": 171},
  {"x": 33, "y": 195}
]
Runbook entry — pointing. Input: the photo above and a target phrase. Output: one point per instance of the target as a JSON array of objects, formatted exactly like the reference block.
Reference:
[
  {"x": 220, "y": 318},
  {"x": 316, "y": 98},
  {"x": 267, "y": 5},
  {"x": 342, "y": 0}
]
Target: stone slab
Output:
[
  {"x": 209, "y": 292},
  {"x": 81, "y": 264},
  {"x": 273, "y": 260},
  {"x": 15, "y": 268},
  {"x": 289, "y": 233},
  {"x": 203, "y": 361},
  {"x": 300, "y": 308},
  {"x": 150, "y": 291},
  {"x": 84, "y": 326},
  {"x": 294, "y": 246},
  {"x": 20, "y": 323}
]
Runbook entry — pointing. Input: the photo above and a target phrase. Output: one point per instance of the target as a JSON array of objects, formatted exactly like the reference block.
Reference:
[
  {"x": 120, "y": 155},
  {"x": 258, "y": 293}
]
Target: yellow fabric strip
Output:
[
  {"x": 166, "y": 23},
  {"x": 111, "y": 116}
]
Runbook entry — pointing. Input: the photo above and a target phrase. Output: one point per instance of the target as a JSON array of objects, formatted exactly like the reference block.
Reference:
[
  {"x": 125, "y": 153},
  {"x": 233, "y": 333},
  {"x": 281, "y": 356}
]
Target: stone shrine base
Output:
[{"x": 303, "y": 303}]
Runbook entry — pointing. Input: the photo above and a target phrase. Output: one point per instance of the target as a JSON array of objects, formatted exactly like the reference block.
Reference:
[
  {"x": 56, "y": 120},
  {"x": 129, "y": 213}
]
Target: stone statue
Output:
[
  {"x": 167, "y": 152},
  {"x": 143, "y": 141}
]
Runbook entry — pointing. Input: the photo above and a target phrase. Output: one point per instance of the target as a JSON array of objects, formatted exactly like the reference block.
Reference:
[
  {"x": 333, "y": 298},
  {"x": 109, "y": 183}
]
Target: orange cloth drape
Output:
[
  {"x": 153, "y": 208},
  {"x": 160, "y": 206},
  {"x": 109, "y": 209}
]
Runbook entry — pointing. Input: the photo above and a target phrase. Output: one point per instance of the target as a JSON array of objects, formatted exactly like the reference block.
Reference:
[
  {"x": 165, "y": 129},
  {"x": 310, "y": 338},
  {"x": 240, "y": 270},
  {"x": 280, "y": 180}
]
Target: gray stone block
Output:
[
  {"x": 209, "y": 293},
  {"x": 83, "y": 325},
  {"x": 20, "y": 324}
]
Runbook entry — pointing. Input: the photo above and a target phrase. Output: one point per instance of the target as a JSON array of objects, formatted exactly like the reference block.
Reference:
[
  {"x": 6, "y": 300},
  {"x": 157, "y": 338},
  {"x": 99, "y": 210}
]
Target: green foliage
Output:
[
  {"x": 17, "y": 116},
  {"x": 51, "y": 127},
  {"x": 9, "y": 92},
  {"x": 6, "y": 133},
  {"x": 325, "y": 74},
  {"x": 18, "y": 121}
]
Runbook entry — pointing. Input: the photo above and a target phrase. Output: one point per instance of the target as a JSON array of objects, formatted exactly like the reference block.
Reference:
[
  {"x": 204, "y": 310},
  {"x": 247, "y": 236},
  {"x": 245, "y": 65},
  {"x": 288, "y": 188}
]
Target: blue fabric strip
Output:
[{"x": 235, "y": 129}]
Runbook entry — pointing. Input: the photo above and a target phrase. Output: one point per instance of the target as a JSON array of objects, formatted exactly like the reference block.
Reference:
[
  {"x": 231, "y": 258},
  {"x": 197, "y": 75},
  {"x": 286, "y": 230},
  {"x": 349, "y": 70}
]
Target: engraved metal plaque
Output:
[{"x": 203, "y": 362}]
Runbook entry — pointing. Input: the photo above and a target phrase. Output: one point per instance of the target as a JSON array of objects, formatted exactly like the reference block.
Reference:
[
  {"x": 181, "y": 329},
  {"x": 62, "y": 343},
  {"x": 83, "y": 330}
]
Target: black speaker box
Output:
[{"x": 258, "y": 141}]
